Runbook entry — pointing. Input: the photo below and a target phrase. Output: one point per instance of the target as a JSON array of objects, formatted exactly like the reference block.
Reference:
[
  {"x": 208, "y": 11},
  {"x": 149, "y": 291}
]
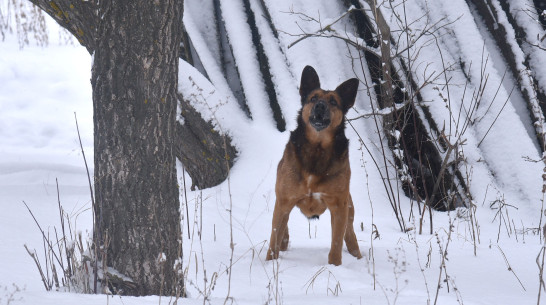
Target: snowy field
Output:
[{"x": 42, "y": 88}]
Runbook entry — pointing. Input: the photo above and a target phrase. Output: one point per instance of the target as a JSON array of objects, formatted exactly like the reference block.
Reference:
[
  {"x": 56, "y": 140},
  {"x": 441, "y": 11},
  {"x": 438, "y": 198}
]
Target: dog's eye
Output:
[
  {"x": 313, "y": 99},
  {"x": 333, "y": 102}
]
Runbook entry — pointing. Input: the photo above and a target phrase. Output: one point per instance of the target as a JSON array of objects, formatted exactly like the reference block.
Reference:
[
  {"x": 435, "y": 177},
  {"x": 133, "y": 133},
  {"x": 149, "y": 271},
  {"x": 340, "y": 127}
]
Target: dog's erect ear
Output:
[
  {"x": 309, "y": 81},
  {"x": 347, "y": 92}
]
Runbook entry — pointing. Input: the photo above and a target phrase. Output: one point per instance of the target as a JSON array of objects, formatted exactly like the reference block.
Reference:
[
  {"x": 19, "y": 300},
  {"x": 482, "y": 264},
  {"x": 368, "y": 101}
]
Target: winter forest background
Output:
[{"x": 447, "y": 142}]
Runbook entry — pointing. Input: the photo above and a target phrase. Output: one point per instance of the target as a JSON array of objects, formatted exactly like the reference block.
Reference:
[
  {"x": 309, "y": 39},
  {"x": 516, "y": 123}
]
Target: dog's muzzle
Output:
[{"x": 320, "y": 116}]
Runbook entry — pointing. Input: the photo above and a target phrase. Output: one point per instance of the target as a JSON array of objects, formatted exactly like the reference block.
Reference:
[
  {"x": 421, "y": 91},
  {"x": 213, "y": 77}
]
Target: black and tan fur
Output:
[{"x": 314, "y": 172}]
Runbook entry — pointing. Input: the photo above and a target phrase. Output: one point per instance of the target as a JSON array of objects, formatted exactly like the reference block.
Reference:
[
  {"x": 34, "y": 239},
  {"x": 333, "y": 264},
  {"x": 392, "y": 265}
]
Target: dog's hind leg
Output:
[
  {"x": 286, "y": 237},
  {"x": 350, "y": 236},
  {"x": 279, "y": 232}
]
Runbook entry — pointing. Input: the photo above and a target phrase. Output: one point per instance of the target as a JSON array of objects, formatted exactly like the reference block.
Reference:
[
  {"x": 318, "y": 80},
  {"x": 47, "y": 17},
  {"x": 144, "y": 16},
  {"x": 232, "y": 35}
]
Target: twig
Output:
[
  {"x": 510, "y": 267},
  {"x": 86, "y": 166},
  {"x": 46, "y": 239},
  {"x": 186, "y": 200},
  {"x": 413, "y": 239},
  {"x": 37, "y": 262},
  {"x": 495, "y": 120},
  {"x": 383, "y": 112},
  {"x": 322, "y": 29},
  {"x": 437, "y": 184},
  {"x": 540, "y": 264},
  {"x": 96, "y": 230},
  {"x": 443, "y": 262},
  {"x": 231, "y": 243},
  {"x": 374, "y": 230},
  {"x": 393, "y": 205},
  {"x": 61, "y": 215}
]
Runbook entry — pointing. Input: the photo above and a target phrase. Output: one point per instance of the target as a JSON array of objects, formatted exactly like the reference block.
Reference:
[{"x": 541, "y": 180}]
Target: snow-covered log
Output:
[
  {"x": 514, "y": 34},
  {"x": 207, "y": 155},
  {"x": 419, "y": 150}
]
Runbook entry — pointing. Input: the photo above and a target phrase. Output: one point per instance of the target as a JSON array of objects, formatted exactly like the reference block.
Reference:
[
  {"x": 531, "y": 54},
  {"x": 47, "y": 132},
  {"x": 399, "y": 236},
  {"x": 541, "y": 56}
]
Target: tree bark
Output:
[{"x": 134, "y": 80}]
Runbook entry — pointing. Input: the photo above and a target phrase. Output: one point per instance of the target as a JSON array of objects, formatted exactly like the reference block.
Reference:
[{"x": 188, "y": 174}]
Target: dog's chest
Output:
[
  {"x": 313, "y": 192},
  {"x": 312, "y": 199}
]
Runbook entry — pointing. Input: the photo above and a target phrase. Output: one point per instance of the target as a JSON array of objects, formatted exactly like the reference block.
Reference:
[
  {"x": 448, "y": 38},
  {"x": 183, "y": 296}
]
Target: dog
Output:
[{"x": 314, "y": 171}]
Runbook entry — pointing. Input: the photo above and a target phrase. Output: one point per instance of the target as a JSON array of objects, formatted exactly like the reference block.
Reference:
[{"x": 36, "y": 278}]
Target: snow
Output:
[
  {"x": 284, "y": 79},
  {"x": 43, "y": 87},
  {"x": 245, "y": 55}
]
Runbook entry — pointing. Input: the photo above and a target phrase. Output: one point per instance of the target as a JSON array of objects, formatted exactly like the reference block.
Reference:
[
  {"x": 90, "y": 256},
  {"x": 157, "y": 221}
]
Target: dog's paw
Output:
[
  {"x": 334, "y": 259},
  {"x": 271, "y": 255},
  {"x": 356, "y": 253}
]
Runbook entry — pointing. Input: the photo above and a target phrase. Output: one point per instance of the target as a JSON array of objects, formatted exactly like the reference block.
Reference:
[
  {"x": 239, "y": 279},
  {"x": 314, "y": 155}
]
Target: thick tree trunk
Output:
[{"x": 134, "y": 81}]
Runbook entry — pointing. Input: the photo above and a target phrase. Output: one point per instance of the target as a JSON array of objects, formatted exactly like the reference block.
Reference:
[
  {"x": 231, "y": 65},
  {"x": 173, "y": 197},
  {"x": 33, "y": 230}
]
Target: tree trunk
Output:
[{"x": 134, "y": 79}]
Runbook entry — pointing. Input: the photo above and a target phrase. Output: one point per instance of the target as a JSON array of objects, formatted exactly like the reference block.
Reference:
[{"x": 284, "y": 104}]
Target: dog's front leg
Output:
[
  {"x": 339, "y": 213},
  {"x": 279, "y": 231}
]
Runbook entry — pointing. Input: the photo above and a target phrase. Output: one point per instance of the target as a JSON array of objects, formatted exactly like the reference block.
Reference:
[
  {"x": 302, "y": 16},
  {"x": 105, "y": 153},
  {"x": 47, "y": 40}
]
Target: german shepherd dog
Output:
[{"x": 314, "y": 171}]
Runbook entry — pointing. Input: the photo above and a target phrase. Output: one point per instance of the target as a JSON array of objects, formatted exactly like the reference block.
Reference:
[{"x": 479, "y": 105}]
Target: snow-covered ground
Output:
[{"x": 42, "y": 88}]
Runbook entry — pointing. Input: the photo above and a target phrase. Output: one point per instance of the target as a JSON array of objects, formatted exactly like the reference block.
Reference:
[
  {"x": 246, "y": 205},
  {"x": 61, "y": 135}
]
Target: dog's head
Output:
[{"x": 322, "y": 109}]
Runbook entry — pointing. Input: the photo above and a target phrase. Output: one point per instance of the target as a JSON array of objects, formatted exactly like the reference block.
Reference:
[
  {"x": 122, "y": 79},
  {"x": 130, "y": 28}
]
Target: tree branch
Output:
[{"x": 80, "y": 18}]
